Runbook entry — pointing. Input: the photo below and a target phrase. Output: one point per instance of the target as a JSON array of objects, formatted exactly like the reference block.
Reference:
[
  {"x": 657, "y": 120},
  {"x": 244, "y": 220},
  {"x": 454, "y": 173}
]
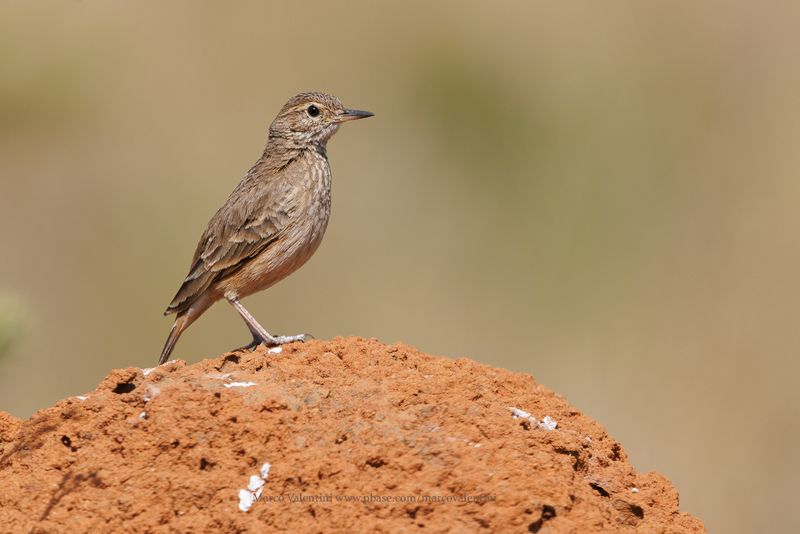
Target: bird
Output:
[{"x": 271, "y": 223}]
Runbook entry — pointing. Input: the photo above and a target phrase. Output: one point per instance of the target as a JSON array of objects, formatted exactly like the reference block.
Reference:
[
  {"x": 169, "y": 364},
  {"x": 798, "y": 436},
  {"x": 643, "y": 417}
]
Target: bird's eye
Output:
[{"x": 313, "y": 110}]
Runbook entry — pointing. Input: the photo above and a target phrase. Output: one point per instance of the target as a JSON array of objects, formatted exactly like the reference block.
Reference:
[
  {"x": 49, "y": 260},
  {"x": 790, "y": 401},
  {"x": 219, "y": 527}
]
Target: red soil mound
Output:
[{"x": 333, "y": 436}]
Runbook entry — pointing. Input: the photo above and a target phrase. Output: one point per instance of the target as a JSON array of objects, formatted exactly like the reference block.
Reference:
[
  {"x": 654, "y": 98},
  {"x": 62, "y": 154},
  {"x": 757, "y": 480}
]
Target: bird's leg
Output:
[{"x": 260, "y": 335}]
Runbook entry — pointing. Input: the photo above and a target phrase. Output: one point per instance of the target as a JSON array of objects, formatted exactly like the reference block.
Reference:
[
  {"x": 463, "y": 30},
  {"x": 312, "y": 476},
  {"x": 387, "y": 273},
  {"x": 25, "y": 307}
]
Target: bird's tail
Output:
[{"x": 182, "y": 322}]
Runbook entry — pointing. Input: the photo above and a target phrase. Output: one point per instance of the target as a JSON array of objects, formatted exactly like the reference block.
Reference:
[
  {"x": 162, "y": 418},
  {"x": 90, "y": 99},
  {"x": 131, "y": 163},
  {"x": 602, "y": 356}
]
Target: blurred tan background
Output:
[{"x": 604, "y": 195}]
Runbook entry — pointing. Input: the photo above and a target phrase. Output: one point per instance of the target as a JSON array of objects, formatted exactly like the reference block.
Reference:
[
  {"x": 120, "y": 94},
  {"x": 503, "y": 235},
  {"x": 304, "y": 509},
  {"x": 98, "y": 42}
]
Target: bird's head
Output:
[{"x": 312, "y": 118}]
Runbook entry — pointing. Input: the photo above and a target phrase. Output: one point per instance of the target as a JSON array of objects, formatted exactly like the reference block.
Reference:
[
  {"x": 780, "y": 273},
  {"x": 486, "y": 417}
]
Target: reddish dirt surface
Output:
[{"x": 361, "y": 437}]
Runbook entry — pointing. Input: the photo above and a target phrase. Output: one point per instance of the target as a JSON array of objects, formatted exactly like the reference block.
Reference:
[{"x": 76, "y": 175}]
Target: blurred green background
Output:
[{"x": 603, "y": 195}]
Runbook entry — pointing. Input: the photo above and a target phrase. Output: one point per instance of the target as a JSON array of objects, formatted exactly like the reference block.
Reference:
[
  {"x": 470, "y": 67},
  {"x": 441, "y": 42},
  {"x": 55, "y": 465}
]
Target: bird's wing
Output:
[{"x": 253, "y": 217}]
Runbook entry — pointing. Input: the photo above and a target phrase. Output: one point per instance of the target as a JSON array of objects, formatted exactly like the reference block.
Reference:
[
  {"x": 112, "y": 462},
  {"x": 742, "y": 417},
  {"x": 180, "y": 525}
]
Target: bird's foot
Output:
[
  {"x": 274, "y": 341},
  {"x": 250, "y": 346}
]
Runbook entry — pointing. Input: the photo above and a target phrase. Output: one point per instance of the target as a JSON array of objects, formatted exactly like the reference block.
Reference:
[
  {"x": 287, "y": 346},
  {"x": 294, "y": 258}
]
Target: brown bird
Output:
[{"x": 272, "y": 222}]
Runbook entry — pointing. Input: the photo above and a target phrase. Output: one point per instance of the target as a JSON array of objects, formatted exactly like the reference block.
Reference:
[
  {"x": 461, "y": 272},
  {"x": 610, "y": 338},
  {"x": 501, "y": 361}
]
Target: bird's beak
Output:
[{"x": 353, "y": 114}]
